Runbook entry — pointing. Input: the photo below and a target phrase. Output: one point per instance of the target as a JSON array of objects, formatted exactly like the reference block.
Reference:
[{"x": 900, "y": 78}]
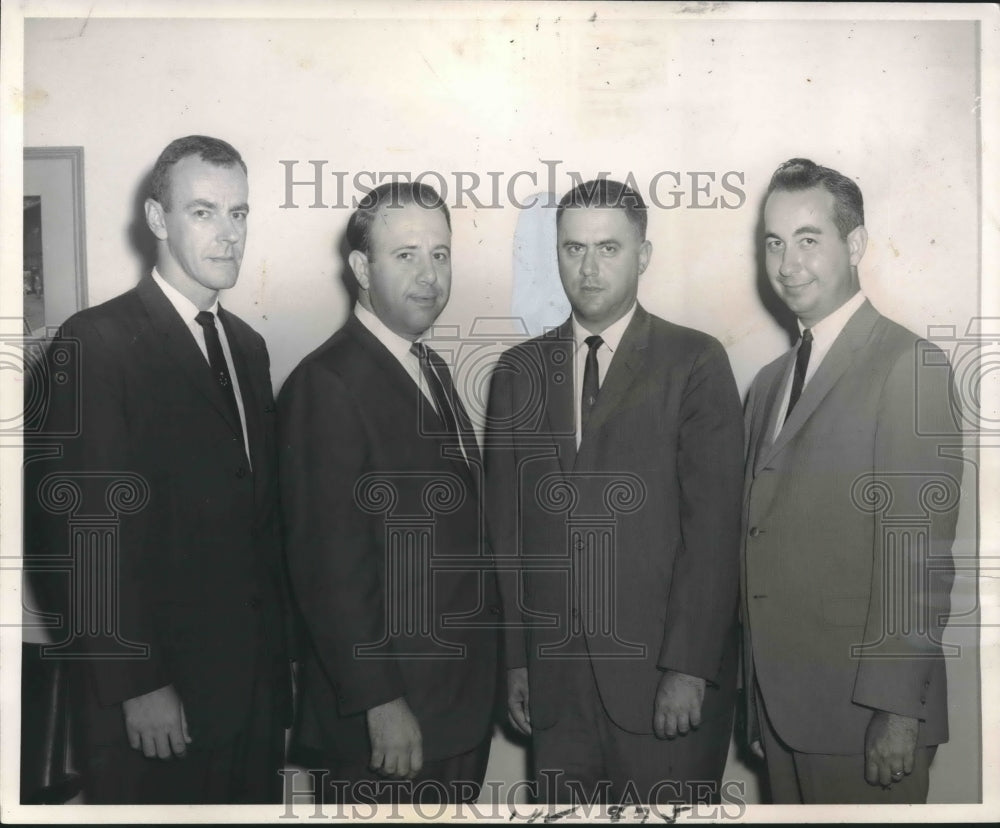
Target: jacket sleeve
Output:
[
  {"x": 914, "y": 491},
  {"x": 701, "y": 609},
  {"x": 85, "y": 435},
  {"x": 332, "y": 545},
  {"x": 502, "y": 487},
  {"x": 292, "y": 635},
  {"x": 745, "y": 675}
]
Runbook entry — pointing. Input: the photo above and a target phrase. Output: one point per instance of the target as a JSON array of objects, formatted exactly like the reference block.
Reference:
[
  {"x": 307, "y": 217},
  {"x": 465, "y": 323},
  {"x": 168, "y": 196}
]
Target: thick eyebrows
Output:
[
  {"x": 416, "y": 246},
  {"x": 205, "y": 204},
  {"x": 601, "y": 243},
  {"x": 804, "y": 230},
  {"x": 808, "y": 230}
]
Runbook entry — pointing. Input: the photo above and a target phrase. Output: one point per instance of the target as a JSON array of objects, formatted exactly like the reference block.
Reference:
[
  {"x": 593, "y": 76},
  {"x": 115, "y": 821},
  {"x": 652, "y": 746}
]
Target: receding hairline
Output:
[
  {"x": 379, "y": 212},
  {"x": 378, "y": 220},
  {"x": 831, "y": 207}
]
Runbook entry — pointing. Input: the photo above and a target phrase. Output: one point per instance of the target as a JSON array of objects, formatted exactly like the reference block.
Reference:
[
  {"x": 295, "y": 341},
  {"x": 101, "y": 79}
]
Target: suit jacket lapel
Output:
[
  {"x": 181, "y": 347},
  {"x": 398, "y": 380},
  {"x": 626, "y": 364},
  {"x": 838, "y": 359},
  {"x": 404, "y": 386},
  {"x": 772, "y": 400},
  {"x": 560, "y": 407}
]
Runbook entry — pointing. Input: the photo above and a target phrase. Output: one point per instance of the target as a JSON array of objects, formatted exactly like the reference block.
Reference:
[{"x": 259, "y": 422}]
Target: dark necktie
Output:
[
  {"x": 448, "y": 405},
  {"x": 801, "y": 366},
  {"x": 591, "y": 381},
  {"x": 218, "y": 362}
]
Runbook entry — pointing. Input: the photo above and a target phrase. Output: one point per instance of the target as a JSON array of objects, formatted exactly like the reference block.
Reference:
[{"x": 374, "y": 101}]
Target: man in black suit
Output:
[
  {"x": 168, "y": 424},
  {"x": 615, "y": 444},
  {"x": 380, "y": 495}
]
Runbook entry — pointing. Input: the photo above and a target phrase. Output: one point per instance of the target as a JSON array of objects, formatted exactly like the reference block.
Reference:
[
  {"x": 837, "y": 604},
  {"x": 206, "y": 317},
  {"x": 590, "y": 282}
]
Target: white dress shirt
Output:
[
  {"x": 398, "y": 346},
  {"x": 825, "y": 333},
  {"x": 612, "y": 336},
  {"x": 188, "y": 311}
]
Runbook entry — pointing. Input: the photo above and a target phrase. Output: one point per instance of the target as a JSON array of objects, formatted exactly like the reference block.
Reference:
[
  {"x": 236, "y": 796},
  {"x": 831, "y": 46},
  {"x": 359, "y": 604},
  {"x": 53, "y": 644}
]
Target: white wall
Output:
[{"x": 891, "y": 103}]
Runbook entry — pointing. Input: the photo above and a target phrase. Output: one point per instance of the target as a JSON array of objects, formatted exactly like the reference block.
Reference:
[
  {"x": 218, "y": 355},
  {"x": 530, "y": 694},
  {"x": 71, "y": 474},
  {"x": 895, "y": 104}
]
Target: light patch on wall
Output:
[{"x": 28, "y": 101}]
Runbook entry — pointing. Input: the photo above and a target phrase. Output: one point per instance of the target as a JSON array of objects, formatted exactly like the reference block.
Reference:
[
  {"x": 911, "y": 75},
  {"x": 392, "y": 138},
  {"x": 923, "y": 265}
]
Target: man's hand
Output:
[
  {"x": 155, "y": 723},
  {"x": 678, "y": 704},
  {"x": 397, "y": 746},
  {"x": 517, "y": 699},
  {"x": 757, "y": 749},
  {"x": 890, "y": 743}
]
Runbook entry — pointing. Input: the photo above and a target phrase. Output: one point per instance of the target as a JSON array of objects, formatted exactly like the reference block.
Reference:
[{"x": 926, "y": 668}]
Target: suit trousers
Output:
[
  {"x": 242, "y": 771},
  {"x": 586, "y": 757},
  {"x": 797, "y": 778}
]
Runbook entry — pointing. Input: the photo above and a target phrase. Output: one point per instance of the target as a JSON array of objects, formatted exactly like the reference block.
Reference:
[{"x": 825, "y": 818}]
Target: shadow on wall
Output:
[
  {"x": 537, "y": 298},
  {"x": 772, "y": 304},
  {"x": 342, "y": 250},
  {"x": 140, "y": 238}
]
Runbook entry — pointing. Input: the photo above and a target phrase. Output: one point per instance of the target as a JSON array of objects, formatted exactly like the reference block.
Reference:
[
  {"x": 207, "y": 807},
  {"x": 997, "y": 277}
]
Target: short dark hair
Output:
[
  {"x": 604, "y": 192},
  {"x": 802, "y": 174},
  {"x": 211, "y": 150},
  {"x": 391, "y": 194}
]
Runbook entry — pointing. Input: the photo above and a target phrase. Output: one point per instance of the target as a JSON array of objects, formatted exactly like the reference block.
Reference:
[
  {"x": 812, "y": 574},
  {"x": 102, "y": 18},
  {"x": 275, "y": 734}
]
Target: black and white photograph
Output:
[{"x": 499, "y": 411}]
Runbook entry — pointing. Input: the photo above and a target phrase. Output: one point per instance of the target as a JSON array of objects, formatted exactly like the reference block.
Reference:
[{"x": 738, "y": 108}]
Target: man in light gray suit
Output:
[{"x": 850, "y": 502}]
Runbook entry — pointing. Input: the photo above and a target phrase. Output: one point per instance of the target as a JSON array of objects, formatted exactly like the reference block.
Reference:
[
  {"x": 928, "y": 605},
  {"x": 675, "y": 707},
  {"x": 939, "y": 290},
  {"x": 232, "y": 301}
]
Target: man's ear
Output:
[
  {"x": 857, "y": 243},
  {"x": 645, "y": 253},
  {"x": 155, "y": 218},
  {"x": 359, "y": 264}
]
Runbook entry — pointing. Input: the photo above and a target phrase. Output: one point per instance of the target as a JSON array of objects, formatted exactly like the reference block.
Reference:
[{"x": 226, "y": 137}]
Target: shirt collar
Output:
[
  {"x": 398, "y": 346},
  {"x": 187, "y": 309},
  {"x": 829, "y": 328},
  {"x": 612, "y": 335}
]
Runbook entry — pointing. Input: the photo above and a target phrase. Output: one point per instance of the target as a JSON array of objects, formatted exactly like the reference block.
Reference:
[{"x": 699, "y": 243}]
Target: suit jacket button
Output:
[
  {"x": 241, "y": 472},
  {"x": 754, "y": 532},
  {"x": 253, "y": 602}
]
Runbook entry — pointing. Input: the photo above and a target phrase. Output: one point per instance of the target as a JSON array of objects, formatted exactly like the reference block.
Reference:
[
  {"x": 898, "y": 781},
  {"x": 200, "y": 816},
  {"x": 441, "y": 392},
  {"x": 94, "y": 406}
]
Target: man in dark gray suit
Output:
[{"x": 613, "y": 468}]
